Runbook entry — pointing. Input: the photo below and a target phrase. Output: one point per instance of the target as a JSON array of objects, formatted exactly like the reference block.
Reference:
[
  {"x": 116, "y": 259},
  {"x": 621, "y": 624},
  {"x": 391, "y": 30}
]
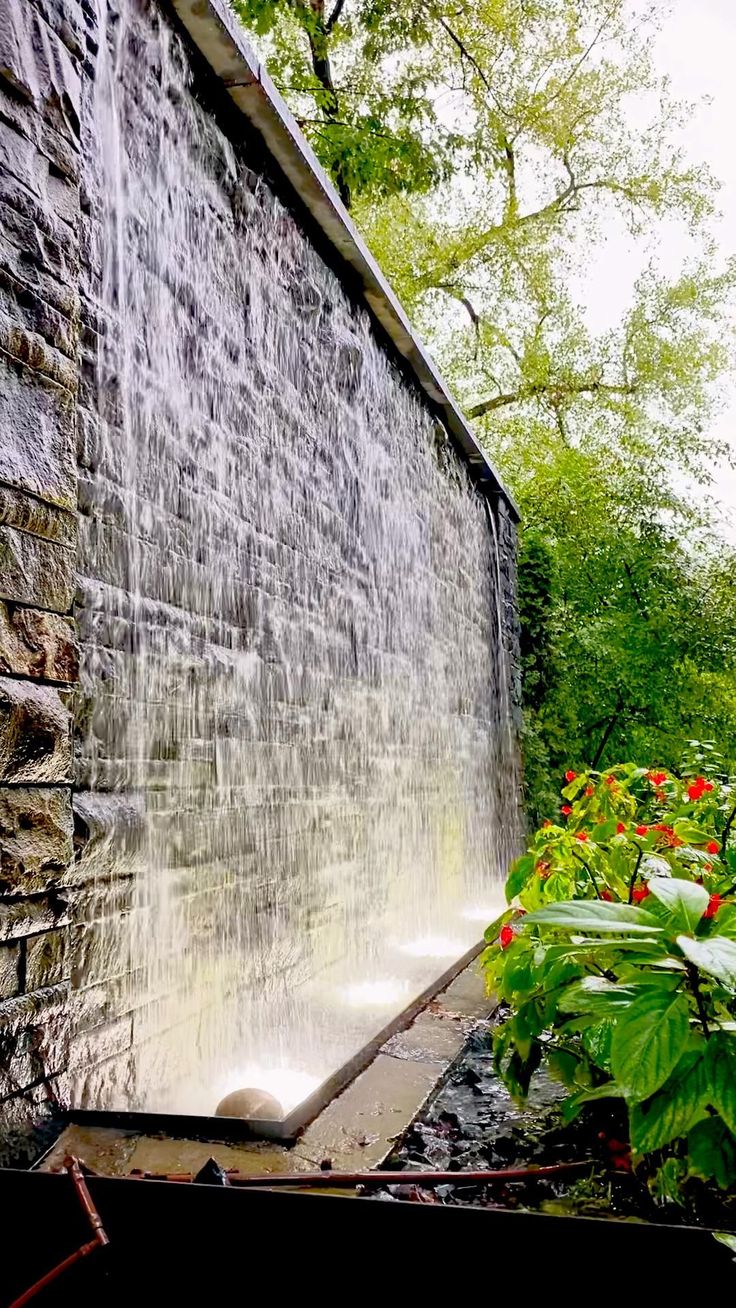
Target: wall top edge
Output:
[{"x": 217, "y": 34}]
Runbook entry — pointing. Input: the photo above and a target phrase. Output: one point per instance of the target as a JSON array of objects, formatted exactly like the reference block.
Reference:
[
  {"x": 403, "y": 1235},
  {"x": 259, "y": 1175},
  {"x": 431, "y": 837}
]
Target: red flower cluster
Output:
[
  {"x": 642, "y": 831},
  {"x": 566, "y": 810},
  {"x": 667, "y": 835},
  {"x": 581, "y": 835},
  {"x": 714, "y": 903},
  {"x": 543, "y": 869},
  {"x": 712, "y": 847},
  {"x": 589, "y": 790},
  {"x": 657, "y": 778},
  {"x": 606, "y": 894},
  {"x": 547, "y": 822},
  {"x": 620, "y": 828},
  {"x": 698, "y": 788},
  {"x": 506, "y": 936},
  {"x": 641, "y": 892},
  {"x": 570, "y": 776}
]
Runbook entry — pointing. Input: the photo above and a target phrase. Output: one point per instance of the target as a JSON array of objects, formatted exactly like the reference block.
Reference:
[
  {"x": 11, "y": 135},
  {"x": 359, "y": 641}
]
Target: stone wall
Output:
[
  {"x": 67, "y": 1015},
  {"x": 42, "y": 50}
]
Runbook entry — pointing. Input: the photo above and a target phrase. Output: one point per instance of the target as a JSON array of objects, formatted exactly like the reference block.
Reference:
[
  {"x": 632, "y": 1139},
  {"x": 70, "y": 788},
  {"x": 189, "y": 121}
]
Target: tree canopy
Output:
[{"x": 488, "y": 149}]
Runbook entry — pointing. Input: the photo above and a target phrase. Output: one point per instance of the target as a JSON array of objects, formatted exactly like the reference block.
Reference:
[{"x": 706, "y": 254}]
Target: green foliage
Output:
[{"x": 617, "y": 960}]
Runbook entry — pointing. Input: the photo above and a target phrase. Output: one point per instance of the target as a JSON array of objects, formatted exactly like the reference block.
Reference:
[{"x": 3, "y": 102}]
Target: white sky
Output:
[{"x": 697, "y": 50}]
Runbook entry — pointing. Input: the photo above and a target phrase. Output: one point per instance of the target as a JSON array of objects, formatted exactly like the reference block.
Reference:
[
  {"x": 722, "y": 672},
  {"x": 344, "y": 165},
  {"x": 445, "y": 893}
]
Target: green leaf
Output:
[
  {"x": 716, "y": 956},
  {"x": 674, "y": 1109},
  {"x": 519, "y": 875},
  {"x": 712, "y": 1152},
  {"x": 572, "y": 1105},
  {"x": 604, "y": 831},
  {"x": 691, "y": 834},
  {"x": 594, "y": 994},
  {"x": 685, "y": 900},
  {"x": 725, "y": 1237},
  {"x": 721, "y": 1069},
  {"x": 648, "y": 1041},
  {"x": 595, "y": 915}
]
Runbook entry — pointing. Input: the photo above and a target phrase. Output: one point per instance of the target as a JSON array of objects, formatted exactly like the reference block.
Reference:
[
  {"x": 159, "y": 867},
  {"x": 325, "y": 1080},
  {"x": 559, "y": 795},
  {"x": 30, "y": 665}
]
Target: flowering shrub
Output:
[{"x": 617, "y": 959}]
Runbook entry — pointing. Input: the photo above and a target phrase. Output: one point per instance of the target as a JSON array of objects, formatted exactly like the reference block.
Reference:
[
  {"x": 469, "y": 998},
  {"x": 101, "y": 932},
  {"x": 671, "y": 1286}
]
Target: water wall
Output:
[{"x": 258, "y": 627}]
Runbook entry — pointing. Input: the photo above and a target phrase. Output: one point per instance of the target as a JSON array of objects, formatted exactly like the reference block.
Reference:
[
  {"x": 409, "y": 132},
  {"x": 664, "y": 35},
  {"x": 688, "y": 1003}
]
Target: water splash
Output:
[{"x": 290, "y": 607}]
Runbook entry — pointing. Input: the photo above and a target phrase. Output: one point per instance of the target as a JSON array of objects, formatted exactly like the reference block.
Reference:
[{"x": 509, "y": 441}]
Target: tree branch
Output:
[
  {"x": 550, "y": 390},
  {"x": 335, "y": 15}
]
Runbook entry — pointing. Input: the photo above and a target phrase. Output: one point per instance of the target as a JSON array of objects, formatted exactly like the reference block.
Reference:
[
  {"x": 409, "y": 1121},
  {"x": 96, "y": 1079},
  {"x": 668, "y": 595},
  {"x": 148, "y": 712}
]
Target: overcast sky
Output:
[{"x": 697, "y": 50}]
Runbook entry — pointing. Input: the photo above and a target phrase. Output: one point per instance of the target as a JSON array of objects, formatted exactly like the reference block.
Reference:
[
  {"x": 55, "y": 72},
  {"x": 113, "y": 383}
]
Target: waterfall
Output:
[{"x": 290, "y": 608}]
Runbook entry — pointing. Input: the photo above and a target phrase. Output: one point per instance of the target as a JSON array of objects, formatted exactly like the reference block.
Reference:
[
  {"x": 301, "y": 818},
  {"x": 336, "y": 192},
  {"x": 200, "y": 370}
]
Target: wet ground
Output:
[{"x": 472, "y": 1123}]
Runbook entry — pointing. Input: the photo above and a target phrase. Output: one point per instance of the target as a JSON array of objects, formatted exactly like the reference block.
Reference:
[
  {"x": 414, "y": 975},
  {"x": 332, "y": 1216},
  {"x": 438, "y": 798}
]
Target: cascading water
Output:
[{"x": 294, "y": 696}]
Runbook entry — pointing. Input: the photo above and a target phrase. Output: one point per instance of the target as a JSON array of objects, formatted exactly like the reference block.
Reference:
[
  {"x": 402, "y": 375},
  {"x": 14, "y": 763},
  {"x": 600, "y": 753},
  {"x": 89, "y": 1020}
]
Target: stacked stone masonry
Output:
[
  {"x": 43, "y": 46},
  {"x": 56, "y": 988}
]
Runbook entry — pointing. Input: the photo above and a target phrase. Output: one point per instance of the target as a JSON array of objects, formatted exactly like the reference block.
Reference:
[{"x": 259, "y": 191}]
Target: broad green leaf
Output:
[
  {"x": 692, "y": 834},
  {"x": 716, "y": 957},
  {"x": 725, "y": 1237},
  {"x": 594, "y": 994},
  {"x": 648, "y": 1041},
  {"x": 604, "y": 831},
  {"x": 595, "y": 915},
  {"x": 721, "y": 1068},
  {"x": 674, "y": 1109},
  {"x": 685, "y": 900},
  {"x": 712, "y": 1152},
  {"x": 519, "y": 875}
]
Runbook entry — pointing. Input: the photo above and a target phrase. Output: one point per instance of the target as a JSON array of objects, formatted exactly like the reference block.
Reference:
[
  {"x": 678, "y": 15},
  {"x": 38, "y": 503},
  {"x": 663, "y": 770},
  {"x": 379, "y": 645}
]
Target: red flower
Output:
[
  {"x": 707, "y": 867},
  {"x": 641, "y": 892},
  {"x": 660, "y": 796},
  {"x": 543, "y": 869},
  {"x": 712, "y": 847},
  {"x": 547, "y": 822},
  {"x": 708, "y": 785},
  {"x": 590, "y": 790},
  {"x": 642, "y": 831},
  {"x": 610, "y": 781},
  {"x": 714, "y": 903},
  {"x": 570, "y": 776},
  {"x": 620, "y": 828},
  {"x": 505, "y": 937},
  {"x": 657, "y": 778},
  {"x": 696, "y": 789},
  {"x": 581, "y": 835},
  {"x": 566, "y": 810},
  {"x": 606, "y": 894}
]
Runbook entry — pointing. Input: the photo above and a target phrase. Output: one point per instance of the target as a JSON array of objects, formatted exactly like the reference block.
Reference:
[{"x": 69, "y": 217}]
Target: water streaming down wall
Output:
[{"x": 295, "y": 757}]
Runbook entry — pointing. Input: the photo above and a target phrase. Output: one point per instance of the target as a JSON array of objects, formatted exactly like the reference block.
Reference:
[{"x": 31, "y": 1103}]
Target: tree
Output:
[{"x": 487, "y": 148}]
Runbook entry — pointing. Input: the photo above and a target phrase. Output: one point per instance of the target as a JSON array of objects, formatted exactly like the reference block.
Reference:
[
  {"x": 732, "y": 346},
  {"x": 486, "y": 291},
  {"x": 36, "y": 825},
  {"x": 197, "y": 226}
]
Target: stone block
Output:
[
  {"x": 27, "y": 513},
  {"x": 46, "y": 957},
  {"x": 35, "y": 733},
  {"x": 34, "y": 1038},
  {"x": 24, "y": 917},
  {"x": 37, "y": 434},
  {"x": 35, "y": 839},
  {"x": 35, "y": 571},
  {"x": 9, "y": 970},
  {"x": 30, "y": 348},
  {"x": 38, "y": 68},
  {"x": 37, "y": 644}
]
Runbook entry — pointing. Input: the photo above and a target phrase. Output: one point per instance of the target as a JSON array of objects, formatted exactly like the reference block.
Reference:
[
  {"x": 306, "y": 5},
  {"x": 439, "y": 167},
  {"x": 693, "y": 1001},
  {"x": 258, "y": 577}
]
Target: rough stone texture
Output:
[
  {"x": 37, "y": 644},
  {"x": 37, "y": 571},
  {"x": 35, "y": 839},
  {"x": 42, "y": 49},
  {"x": 35, "y": 733}
]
